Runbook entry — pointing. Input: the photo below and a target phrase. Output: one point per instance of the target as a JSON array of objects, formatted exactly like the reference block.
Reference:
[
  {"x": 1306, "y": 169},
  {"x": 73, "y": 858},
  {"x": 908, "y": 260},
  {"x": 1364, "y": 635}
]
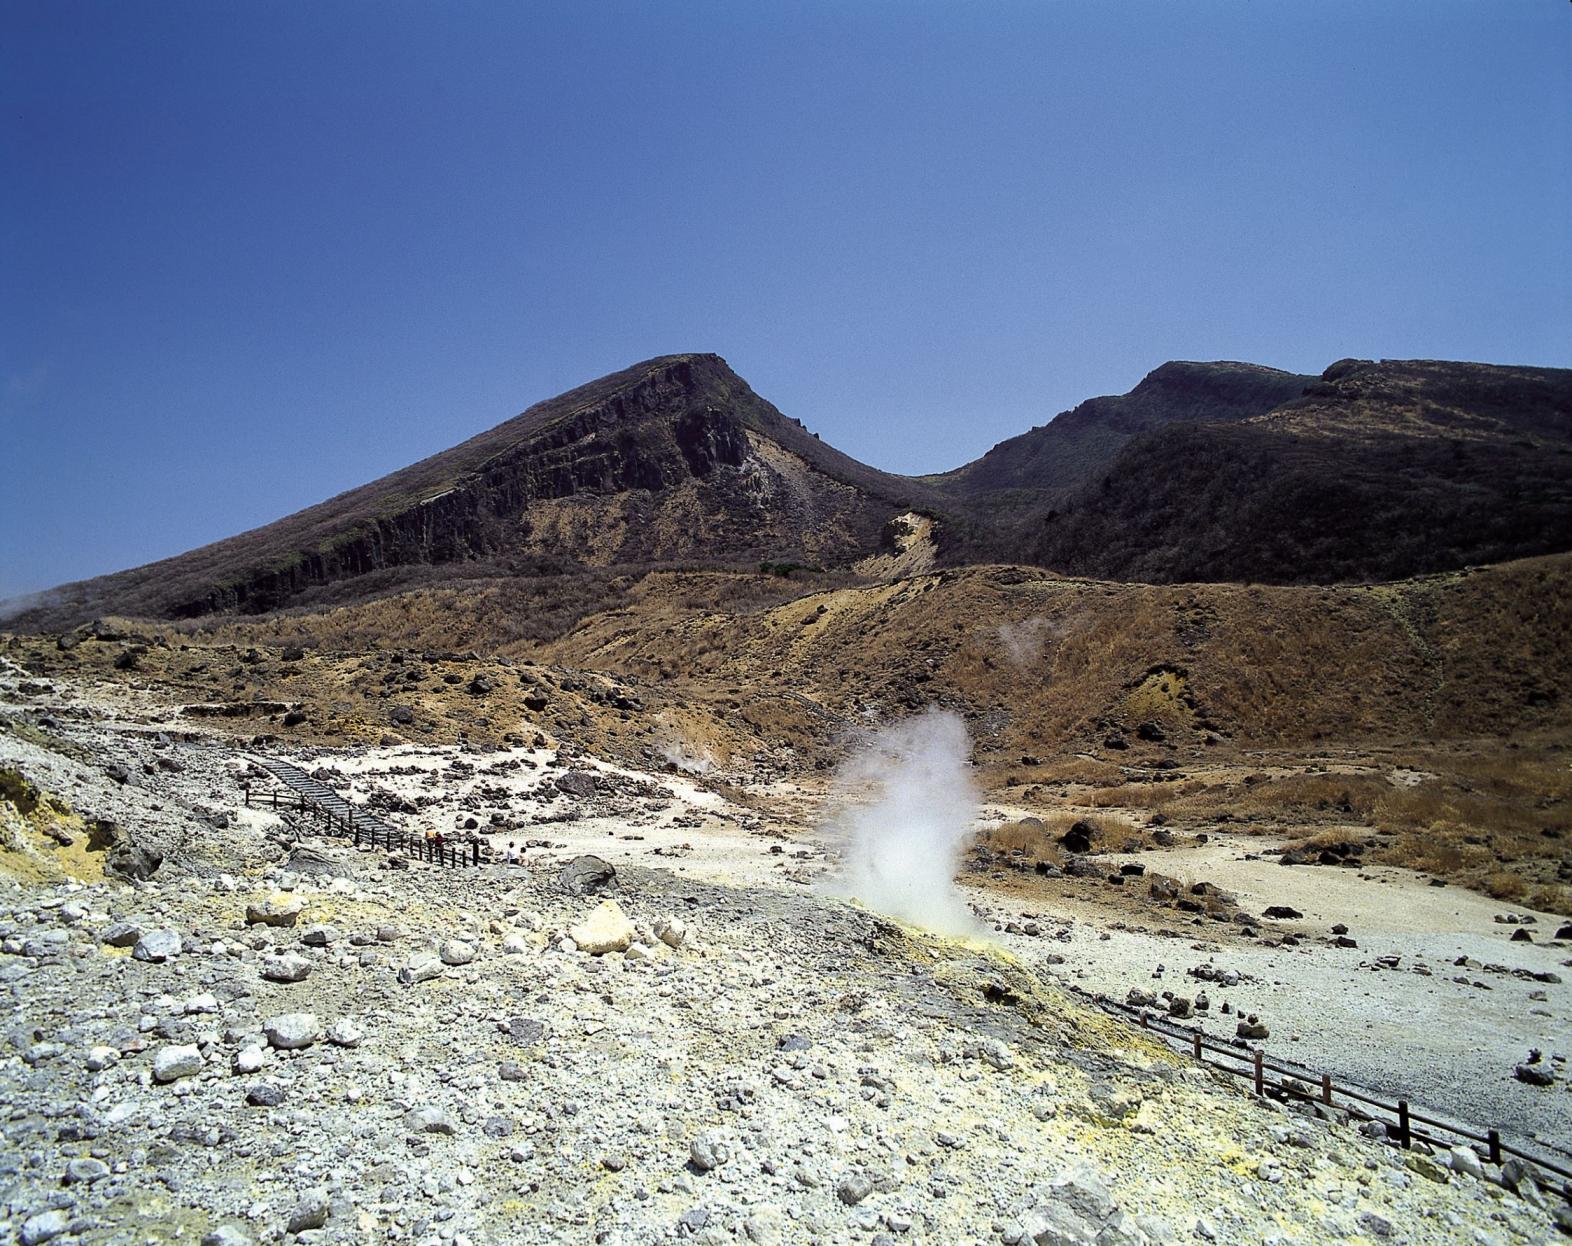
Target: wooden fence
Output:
[
  {"x": 1306, "y": 1086},
  {"x": 364, "y": 829}
]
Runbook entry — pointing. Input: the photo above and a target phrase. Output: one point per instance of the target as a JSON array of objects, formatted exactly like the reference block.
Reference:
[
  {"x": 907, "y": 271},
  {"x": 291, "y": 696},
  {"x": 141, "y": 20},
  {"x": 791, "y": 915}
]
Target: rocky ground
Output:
[{"x": 271, "y": 1037}]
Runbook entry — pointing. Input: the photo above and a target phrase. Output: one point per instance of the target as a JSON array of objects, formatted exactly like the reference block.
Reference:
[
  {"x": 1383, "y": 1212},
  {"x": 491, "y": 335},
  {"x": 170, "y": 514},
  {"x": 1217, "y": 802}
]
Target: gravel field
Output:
[{"x": 278, "y": 1038}]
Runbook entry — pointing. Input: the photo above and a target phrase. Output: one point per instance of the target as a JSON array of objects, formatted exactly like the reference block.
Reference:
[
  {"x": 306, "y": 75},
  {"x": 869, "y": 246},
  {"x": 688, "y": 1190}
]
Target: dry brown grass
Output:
[
  {"x": 1079, "y": 771},
  {"x": 1037, "y": 839},
  {"x": 1143, "y": 795}
]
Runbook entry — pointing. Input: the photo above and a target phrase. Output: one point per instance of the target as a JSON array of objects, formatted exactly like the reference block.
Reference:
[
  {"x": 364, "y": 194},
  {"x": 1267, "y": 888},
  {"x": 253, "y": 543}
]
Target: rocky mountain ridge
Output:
[{"x": 1203, "y": 472}]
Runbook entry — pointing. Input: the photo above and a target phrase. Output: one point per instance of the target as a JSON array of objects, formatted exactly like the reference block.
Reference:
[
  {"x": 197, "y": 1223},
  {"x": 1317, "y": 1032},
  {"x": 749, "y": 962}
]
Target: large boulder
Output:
[
  {"x": 126, "y": 858},
  {"x": 172, "y": 1063},
  {"x": 577, "y": 783},
  {"x": 607, "y": 929},
  {"x": 157, "y": 946},
  {"x": 292, "y": 1030},
  {"x": 586, "y": 875},
  {"x": 278, "y": 909},
  {"x": 1074, "y": 1209}
]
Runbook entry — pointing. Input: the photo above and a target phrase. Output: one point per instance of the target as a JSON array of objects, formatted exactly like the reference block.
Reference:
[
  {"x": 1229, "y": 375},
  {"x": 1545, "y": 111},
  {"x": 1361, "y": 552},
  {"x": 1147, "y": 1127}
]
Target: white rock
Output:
[
  {"x": 101, "y": 1058},
  {"x": 204, "y": 1003},
  {"x": 515, "y": 945},
  {"x": 345, "y": 1033},
  {"x": 44, "y": 1227},
  {"x": 457, "y": 952},
  {"x": 671, "y": 930},
  {"x": 174, "y": 1062},
  {"x": 1463, "y": 1159},
  {"x": 248, "y": 1059},
  {"x": 157, "y": 946},
  {"x": 276, "y": 910},
  {"x": 286, "y": 968},
  {"x": 607, "y": 929},
  {"x": 292, "y": 1030},
  {"x": 421, "y": 967}
]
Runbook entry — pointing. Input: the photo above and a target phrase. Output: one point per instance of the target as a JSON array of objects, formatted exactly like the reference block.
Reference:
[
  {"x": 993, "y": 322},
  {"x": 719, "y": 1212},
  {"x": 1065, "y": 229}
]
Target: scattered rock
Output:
[
  {"x": 457, "y": 952},
  {"x": 157, "y": 946},
  {"x": 287, "y": 967},
  {"x": 264, "y": 1094},
  {"x": 607, "y": 929},
  {"x": 708, "y": 1152},
  {"x": 44, "y": 1227},
  {"x": 277, "y": 910},
  {"x": 311, "y": 1212},
  {"x": 1252, "y": 1027},
  {"x": 122, "y": 934},
  {"x": 853, "y": 1187},
  {"x": 85, "y": 1171},
  {"x": 422, "y": 967},
  {"x": 429, "y": 1120},
  {"x": 174, "y": 1062},
  {"x": 292, "y": 1030},
  {"x": 671, "y": 931}
]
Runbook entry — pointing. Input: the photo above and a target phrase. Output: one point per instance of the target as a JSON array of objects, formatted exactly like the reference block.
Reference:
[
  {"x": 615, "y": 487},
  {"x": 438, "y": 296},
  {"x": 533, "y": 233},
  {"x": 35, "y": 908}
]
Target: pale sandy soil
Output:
[{"x": 1443, "y": 1042}]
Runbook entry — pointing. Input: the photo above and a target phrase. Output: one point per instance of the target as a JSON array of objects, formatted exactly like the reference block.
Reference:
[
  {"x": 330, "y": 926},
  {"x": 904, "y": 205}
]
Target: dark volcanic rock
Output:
[
  {"x": 586, "y": 875},
  {"x": 577, "y": 783}
]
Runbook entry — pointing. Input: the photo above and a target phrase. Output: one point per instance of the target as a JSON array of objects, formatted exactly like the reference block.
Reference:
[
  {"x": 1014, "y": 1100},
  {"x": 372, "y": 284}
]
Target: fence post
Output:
[
  {"x": 246, "y": 788},
  {"x": 1197, "y": 1037},
  {"x": 1326, "y": 1089},
  {"x": 1404, "y": 1137},
  {"x": 476, "y": 857},
  {"x": 1495, "y": 1146},
  {"x": 1260, "y": 1071},
  {"x": 1143, "y": 1018}
]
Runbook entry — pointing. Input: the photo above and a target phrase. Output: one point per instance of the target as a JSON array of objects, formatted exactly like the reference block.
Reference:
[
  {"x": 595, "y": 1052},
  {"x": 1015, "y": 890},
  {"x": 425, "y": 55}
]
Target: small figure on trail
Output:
[
  {"x": 439, "y": 839},
  {"x": 512, "y": 854}
]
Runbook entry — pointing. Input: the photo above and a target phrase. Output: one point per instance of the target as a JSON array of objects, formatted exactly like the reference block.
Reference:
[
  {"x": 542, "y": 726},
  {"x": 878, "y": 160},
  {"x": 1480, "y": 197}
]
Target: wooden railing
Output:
[
  {"x": 340, "y": 817},
  {"x": 1305, "y": 1085}
]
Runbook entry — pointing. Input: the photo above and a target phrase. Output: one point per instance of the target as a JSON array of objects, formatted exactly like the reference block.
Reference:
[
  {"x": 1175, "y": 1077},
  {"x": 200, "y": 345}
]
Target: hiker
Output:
[{"x": 512, "y": 854}]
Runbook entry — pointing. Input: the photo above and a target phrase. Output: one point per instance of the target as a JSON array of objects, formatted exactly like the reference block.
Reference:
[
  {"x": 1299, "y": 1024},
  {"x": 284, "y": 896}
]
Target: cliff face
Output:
[
  {"x": 1204, "y": 471},
  {"x": 672, "y": 459},
  {"x": 1064, "y": 453}
]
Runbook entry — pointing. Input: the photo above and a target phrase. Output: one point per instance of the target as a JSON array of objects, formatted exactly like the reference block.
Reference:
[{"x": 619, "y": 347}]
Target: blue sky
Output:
[{"x": 255, "y": 254}]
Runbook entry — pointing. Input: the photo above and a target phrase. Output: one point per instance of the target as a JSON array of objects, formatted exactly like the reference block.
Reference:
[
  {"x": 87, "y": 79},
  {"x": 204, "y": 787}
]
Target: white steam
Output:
[
  {"x": 689, "y": 761},
  {"x": 902, "y": 809},
  {"x": 11, "y": 607},
  {"x": 674, "y": 748},
  {"x": 1023, "y": 642}
]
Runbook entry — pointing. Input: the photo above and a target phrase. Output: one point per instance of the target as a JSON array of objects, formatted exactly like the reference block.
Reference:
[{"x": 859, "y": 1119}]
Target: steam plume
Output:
[
  {"x": 12, "y": 607},
  {"x": 1023, "y": 642},
  {"x": 901, "y": 810}
]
